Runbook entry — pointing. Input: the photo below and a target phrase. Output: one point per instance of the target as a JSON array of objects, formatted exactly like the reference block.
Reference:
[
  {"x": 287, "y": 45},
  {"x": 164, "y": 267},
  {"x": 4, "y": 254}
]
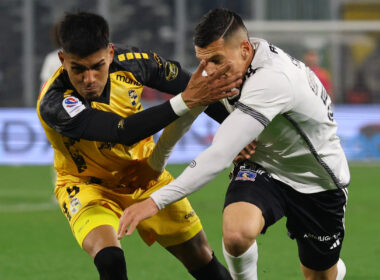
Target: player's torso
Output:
[
  {"x": 300, "y": 146},
  {"x": 102, "y": 160}
]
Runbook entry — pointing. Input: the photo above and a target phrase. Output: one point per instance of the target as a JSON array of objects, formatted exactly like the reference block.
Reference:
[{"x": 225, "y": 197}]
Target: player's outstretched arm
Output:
[
  {"x": 134, "y": 214},
  {"x": 204, "y": 90},
  {"x": 235, "y": 133}
]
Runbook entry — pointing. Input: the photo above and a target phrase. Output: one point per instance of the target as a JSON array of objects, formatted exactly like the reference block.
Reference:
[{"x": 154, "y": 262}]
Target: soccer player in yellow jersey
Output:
[{"x": 91, "y": 113}]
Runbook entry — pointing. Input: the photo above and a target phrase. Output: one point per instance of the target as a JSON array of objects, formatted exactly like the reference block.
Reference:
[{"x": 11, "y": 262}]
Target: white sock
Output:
[
  {"x": 243, "y": 267},
  {"x": 341, "y": 270}
]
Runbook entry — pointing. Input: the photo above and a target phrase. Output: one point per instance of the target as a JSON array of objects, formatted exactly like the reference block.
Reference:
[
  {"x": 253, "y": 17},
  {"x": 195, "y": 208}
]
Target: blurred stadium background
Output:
[{"x": 339, "y": 39}]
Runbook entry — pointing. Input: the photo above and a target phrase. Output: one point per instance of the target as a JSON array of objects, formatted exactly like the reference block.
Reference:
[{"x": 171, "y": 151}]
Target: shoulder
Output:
[
  {"x": 59, "y": 104},
  {"x": 267, "y": 79},
  {"x": 136, "y": 60}
]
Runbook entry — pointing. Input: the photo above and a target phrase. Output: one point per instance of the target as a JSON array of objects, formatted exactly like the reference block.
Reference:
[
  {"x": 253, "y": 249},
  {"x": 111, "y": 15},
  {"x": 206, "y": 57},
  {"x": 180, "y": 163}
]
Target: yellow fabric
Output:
[
  {"x": 92, "y": 186},
  {"x": 103, "y": 160},
  {"x": 87, "y": 206}
]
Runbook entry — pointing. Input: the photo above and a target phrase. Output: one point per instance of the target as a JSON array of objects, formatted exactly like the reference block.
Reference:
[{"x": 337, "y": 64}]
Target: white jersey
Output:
[
  {"x": 284, "y": 106},
  {"x": 299, "y": 145}
]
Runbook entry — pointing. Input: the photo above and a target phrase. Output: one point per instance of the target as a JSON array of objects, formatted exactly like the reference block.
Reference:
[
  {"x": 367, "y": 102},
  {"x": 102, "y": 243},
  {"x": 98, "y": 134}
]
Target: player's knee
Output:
[
  {"x": 110, "y": 263},
  {"x": 237, "y": 242}
]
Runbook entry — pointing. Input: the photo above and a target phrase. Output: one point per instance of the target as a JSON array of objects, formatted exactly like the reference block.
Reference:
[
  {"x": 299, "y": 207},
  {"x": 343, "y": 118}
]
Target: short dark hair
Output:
[
  {"x": 82, "y": 33},
  {"x": 215, "y": 24}
]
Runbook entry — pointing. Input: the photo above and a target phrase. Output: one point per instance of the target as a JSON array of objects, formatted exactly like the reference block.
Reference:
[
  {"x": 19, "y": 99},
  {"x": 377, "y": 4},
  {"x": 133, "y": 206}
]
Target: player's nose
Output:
[{"x": 89, "y": 76}]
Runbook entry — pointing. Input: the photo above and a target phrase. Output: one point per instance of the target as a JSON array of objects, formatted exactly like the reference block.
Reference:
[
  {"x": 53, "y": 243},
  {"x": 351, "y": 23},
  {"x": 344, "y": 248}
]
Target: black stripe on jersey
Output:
[
  {"x": 315, "y": 154},
  {"x": 253, "y": 113}
]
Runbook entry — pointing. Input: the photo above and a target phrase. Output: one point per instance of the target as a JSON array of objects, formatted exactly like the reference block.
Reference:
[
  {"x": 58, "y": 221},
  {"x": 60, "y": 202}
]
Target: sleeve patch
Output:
[
  {"x": 73, "y": 106},
  {"x": 171, "y": 71}
]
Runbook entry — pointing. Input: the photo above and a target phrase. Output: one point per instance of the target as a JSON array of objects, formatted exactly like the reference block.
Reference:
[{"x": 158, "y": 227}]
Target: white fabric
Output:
[
  {"x": 299, "y": 146},
  {"x": 236, "y": 132},
  {"x": 341, "y": 270},
  {"x": 169, "y": 138},
  {"x": 179, "y": 106},
  {"x": 243, "y": 267}
]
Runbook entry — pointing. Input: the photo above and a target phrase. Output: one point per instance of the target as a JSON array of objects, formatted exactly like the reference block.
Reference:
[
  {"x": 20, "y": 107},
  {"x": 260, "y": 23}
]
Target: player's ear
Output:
[
  {"x": 61, "y": 57},
  {"x": 111, "y": 50},
  {"x": 245, "y": 48}
]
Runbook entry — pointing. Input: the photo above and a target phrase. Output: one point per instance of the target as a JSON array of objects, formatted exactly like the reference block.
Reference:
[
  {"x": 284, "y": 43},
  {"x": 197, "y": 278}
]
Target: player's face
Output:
[
  {"x": 88, "y": 74},
  {"x": 220, "y": 52}
]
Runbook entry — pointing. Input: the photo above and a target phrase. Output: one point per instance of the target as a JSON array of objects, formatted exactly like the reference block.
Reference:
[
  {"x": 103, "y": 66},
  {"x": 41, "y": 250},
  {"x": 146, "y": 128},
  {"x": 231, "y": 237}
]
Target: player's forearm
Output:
[
  {"x": 105, "y": 126},
  {"x": 237, "y": 131},
  {"x": 148, "y": 122},
  {"x": 169, "y": 138}
]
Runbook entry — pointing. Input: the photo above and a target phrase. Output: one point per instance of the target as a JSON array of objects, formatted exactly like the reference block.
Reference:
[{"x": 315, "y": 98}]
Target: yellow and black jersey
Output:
[
  {"x": 103, "y": 137},
  {"x": 72, "y": 123}
]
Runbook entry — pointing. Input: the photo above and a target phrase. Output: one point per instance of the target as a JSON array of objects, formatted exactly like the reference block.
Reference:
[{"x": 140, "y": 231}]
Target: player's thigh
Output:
[
  {"x": 316, "y": 221},
  {"x": 86, "y": 207},
  {"x": 253, "y": 201}
]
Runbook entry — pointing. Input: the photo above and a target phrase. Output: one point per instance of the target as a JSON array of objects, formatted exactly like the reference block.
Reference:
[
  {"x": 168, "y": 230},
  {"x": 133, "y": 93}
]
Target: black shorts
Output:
[{"x": 315, "y": 220}]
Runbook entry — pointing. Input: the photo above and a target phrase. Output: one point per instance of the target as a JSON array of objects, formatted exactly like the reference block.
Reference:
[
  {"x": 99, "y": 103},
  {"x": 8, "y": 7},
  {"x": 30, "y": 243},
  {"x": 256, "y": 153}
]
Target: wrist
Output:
[
  {"x": 179, "y": 106},
  {"x": 154, "y": 208}
]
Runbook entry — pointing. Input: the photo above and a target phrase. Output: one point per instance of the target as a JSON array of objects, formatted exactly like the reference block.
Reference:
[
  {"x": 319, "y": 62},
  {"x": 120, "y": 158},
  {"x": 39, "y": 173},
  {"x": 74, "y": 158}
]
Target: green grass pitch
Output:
[{"x": 36, "y": 242}]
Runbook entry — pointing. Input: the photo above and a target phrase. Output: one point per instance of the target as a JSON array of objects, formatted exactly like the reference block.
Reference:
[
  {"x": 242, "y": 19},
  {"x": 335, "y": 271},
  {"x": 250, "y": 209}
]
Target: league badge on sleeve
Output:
[
  {"x": 73, "y": 106},
  {"x": 246, "y": 175}
]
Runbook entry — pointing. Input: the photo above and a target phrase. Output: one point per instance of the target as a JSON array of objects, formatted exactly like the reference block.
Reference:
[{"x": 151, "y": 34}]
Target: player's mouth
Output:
[{"x": 90, "y": 92}]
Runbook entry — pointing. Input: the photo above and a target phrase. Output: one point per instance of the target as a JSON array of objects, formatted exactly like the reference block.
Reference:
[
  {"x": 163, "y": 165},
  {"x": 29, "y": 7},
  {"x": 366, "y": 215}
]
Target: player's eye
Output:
[
  {"x": 216, "y": 60},
  {"x": 78, "y": 69},
  {"x": 97, "y": 66}
]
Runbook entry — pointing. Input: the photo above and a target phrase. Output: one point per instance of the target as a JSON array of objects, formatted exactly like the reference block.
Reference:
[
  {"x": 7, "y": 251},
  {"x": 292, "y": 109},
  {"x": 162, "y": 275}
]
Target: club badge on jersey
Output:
[{"x": 246, "y": 175}]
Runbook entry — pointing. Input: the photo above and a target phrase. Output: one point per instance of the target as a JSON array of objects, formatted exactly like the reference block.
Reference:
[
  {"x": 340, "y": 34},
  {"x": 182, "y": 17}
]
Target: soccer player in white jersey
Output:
[{"x": 298, "y": 170}]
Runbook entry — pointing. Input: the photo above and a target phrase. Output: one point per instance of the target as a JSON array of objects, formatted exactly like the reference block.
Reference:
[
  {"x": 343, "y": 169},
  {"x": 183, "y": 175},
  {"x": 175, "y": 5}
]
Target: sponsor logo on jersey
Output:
[
  {"x": 125, "y": 79},
  {"x": 192, "y": 164},
  {"x": 73, "y": 106},
  {"x": 246, "y": 175}
]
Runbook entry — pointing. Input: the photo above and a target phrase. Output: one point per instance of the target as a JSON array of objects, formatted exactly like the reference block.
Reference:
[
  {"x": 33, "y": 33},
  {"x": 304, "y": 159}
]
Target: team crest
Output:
[
  {"x": 133, "y": 96},
  {"x": 75, "y": 205},
  {"x": 246, "y": 175}
]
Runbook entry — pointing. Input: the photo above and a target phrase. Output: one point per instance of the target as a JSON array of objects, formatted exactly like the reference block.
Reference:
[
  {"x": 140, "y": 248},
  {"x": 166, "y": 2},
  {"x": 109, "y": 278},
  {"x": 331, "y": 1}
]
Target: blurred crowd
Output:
[{"x": 152, "y": 25}]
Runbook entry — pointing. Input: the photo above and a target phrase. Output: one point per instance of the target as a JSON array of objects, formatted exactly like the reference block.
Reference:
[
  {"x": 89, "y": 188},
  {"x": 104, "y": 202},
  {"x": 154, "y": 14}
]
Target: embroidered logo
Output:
[{"x": 246, "y": 175}]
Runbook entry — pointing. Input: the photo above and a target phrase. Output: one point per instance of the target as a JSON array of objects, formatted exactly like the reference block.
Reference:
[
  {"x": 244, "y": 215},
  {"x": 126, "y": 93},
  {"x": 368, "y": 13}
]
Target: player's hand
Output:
[
  {"x": 134, "y": 214},
  {"x": 204, "y": 90},
  {"x": 247, "y": 152}
]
